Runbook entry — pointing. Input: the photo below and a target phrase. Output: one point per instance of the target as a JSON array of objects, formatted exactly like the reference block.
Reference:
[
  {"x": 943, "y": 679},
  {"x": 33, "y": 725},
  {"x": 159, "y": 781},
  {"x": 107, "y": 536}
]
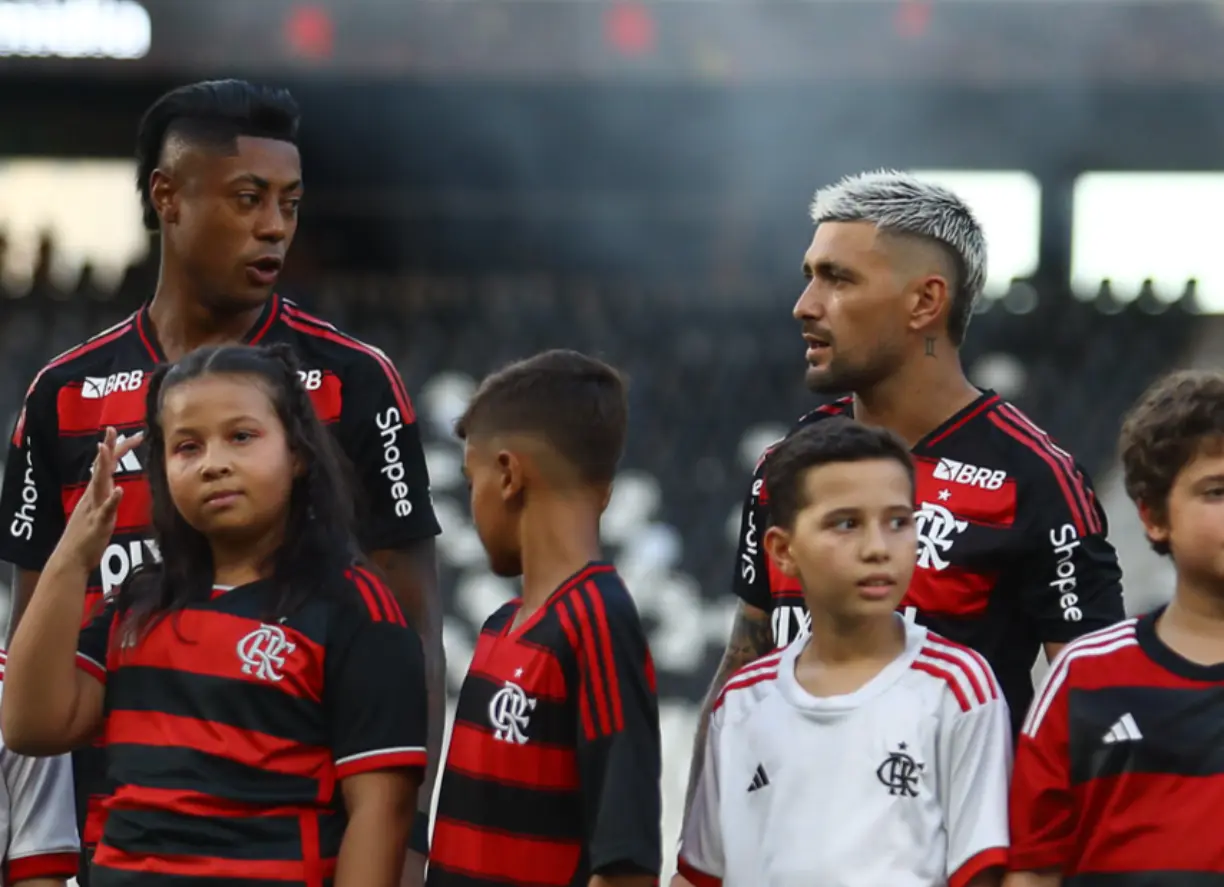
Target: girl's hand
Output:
[{"x": 92, "y": 523}]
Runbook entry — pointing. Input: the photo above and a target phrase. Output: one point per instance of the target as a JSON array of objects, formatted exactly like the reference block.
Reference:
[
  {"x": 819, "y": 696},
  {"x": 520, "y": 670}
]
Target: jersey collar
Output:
[
  {"x": 1168, "y": 658},
  {"x": 958, "y": 420},
  {"x": 148, "y": 335}
]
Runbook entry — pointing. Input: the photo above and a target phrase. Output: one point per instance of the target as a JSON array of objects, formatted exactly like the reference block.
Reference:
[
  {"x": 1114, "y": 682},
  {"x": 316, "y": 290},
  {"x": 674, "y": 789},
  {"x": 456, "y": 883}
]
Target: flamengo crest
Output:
[
  {"x": 263, "y": 652},
  {"x": 509, "y": 712}
]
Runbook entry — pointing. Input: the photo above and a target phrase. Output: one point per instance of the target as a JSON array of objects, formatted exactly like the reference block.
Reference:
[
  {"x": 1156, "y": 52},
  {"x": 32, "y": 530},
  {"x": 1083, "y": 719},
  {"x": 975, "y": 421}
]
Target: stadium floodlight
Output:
[
  {"x": 1007, "y": 203},
  {"x": 1129, "y": 228}
]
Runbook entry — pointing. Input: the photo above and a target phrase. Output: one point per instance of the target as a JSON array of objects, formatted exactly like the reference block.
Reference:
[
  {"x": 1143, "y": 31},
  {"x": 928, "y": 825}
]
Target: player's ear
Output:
[
  {"x": 511, "y": 468},
  {"x": 163, "y": 194},
  {"x": 1155, "y": 523},
  {"x": 777, "y": 543},
  {"x": 928, "y": 300}
]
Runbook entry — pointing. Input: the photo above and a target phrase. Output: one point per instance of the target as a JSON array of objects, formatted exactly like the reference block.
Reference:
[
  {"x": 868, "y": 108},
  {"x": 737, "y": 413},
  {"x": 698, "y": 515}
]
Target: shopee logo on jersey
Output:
[
  {"x": 970, "y": 475},
  {"x": 1064, "y": 541},
  {"x": 22, "y": 526},
  {"x": 120, "y": 558},
  {"x": 98, "y": 387},
  {"x": 390, "y": 424}
]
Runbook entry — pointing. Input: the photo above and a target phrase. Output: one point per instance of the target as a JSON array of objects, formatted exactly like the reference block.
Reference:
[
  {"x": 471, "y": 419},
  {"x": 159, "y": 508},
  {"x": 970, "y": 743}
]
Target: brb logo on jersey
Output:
[
  {"x": 390, "y": 424},
  {"x": 509, "y": 712},
  {"x": 937, "y": 530},
  {"x": 98, "y": 387},
  {"x": 263, "y": 652},
  {"x": 970, "y": 475}
]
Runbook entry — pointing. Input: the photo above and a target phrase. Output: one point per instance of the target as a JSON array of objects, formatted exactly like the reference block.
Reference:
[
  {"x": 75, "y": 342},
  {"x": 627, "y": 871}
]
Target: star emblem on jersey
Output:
[
  {"x": 945, "y": 495},
  {"x": 937, "y": 529},
  {"x": 263, "y": 652},
  {"x": 899, "y": 772},
  {"x": 509, "y": 712}
]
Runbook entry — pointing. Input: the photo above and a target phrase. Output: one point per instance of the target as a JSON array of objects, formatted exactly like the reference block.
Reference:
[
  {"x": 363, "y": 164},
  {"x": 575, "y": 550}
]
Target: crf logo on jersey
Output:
[
  {"x": 98, "y": 387},
  {"x": 972, "y": 475},
  {"x": 510, "y": 712},
  {"x": 263, "y": 652},
  {"x": 937, "y": 529}
]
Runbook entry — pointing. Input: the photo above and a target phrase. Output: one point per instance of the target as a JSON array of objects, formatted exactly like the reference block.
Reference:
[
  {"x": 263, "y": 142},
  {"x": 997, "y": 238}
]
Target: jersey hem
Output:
[
  {"x": 22, "y": 559},
  {"x": 90, "y": 667},
  {"x": 981, "y": 861},
  {"x": 55, "y": 864},
  {"x": 696, "y": 877},
  {"x": 382, "y": 759}
]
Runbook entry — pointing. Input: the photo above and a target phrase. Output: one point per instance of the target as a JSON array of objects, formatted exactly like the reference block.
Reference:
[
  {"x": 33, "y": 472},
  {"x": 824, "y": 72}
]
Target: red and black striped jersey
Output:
[
  {"x": 1119, "y": 772},
  {"x": 356, "y": 390},
  {"x": 553, "y": 769},
  {"x": 1012, "y": 548},
  {"x": 226, "y": 736}
]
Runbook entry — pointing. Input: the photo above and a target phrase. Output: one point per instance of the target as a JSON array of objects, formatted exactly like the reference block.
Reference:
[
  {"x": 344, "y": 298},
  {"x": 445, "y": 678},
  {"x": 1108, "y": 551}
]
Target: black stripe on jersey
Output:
[
  {"x": 1146, "y": 879},
  {"x": 169, "y": 767},
  {"x": 260, "y": 708},
  {"x": 1182, "y": 732},
  {"x": 513, "y": 809},
  {"x": 258, "y": 838},
  {"x": 552, "y": 721},
  {"x": 104, "y": 877},
  {"x": 440, "y": 877}
]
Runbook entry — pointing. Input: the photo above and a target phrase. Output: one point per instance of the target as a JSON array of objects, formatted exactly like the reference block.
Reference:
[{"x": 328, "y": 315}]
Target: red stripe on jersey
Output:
[
  {"x": 260, "y": 751},
  {"x": 395, "y": 613},
  {"x": 254, "y": 338},
  {"x": 584, "y": 702},
  {"x": 975, "y": 661},
  {"x": 206, "y": 642},
  {"x": 311, "y": 326},
  {"x": 40, "y": 865},
  {"x": 373, "y": 604},
  {"x": 493, "y": 856},
  {"x": 1099, "y": 643},
  {"x": 94, "y": 669},
  {"x": 328, "y": 398},
  {"x": 604, "y": 642},
  {"x": 1070, "y": 481},
  {"x": 976, "y": 411},
  {"x": 953, "y": 591},
  {"x": 747, "y": 677},
  {"x": 978, "y": 681},
  {"x": 591, "y": 666},
  {"x": 994, "y": 857},
  {"x": 695, "y": 877},
  {"x": 312, "y": 852},
  {"x": 948, "y": 677},
  {"x": 188, "y": 803},
  {"x": 135, "y": 508},
  {"x": 536, "y": 766},
  {"x": 212, "y": 867},
  {"x": 82, "y": 408}
]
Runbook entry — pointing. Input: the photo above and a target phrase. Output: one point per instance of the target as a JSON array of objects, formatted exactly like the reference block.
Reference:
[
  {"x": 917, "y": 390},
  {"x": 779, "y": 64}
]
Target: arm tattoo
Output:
[{"x": 751, "y": 638}]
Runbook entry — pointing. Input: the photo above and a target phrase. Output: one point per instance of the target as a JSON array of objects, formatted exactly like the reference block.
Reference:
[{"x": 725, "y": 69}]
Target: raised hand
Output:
[{"x": 92, "y": 523}]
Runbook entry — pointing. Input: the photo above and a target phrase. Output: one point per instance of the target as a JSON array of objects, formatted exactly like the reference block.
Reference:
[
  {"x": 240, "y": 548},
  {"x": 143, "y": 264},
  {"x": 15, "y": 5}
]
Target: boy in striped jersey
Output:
[
  {"x": 1119, "y": 776},
  {"x": 872, "y": 751}
]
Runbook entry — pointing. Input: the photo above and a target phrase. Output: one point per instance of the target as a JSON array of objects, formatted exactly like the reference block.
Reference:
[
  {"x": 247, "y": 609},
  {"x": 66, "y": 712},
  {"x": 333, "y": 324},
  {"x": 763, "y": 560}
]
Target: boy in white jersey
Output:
[
  {"x": 871, "y": 753},
  {"x": 38, "y": 833}
]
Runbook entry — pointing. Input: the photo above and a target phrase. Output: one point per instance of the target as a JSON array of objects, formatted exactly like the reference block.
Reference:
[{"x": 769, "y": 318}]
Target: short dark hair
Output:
[
  {"x": 576, "y": 403},
  {"x": 826, "y": 442},
  {"x": 1167, "y": 427},
  {"x": 215, "y": 113}
]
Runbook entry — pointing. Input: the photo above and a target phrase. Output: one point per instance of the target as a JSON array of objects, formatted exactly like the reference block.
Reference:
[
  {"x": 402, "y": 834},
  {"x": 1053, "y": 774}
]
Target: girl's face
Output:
[{"x": 228, "y": 464}]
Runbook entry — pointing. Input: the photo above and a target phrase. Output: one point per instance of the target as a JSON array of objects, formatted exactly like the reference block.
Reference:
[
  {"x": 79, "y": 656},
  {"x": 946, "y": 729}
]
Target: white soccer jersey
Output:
[
  {"x": 902, "y": 783},
  {"x": 37, "y": 815}
]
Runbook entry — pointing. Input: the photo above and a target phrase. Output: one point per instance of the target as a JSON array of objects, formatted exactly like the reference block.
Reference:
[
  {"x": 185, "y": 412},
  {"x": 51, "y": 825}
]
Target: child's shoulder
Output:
[
  {"x": 749, "y": 685},
  {"x": 953, "y": 671}
]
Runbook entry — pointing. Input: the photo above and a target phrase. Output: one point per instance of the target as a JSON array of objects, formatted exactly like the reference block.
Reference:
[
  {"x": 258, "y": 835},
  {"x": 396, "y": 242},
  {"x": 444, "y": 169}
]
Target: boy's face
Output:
[
  {"x": 1193, "y": 523},
  {"x": 853, "y": 544},
  {"x": 495, "y": 480}
]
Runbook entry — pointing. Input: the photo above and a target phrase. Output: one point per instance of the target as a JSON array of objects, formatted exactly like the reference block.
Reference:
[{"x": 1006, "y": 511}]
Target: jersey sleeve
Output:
[
  {"x": 31, "y": 509},
  {"x": 619, "y": 749},
  {"x": 380, "y": 436},
  {"x": 975, "y": 761},
  {"x": 1073, "y": 584},
  {"x": 1042, "y": 806},
  {"x": 751, "y": 579},
  {"x": 702, "y": 861},
  {"x": 374, "y": 676},
  {"x": 94, "y": 642},
  {"x": 43, "y": 841}
]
